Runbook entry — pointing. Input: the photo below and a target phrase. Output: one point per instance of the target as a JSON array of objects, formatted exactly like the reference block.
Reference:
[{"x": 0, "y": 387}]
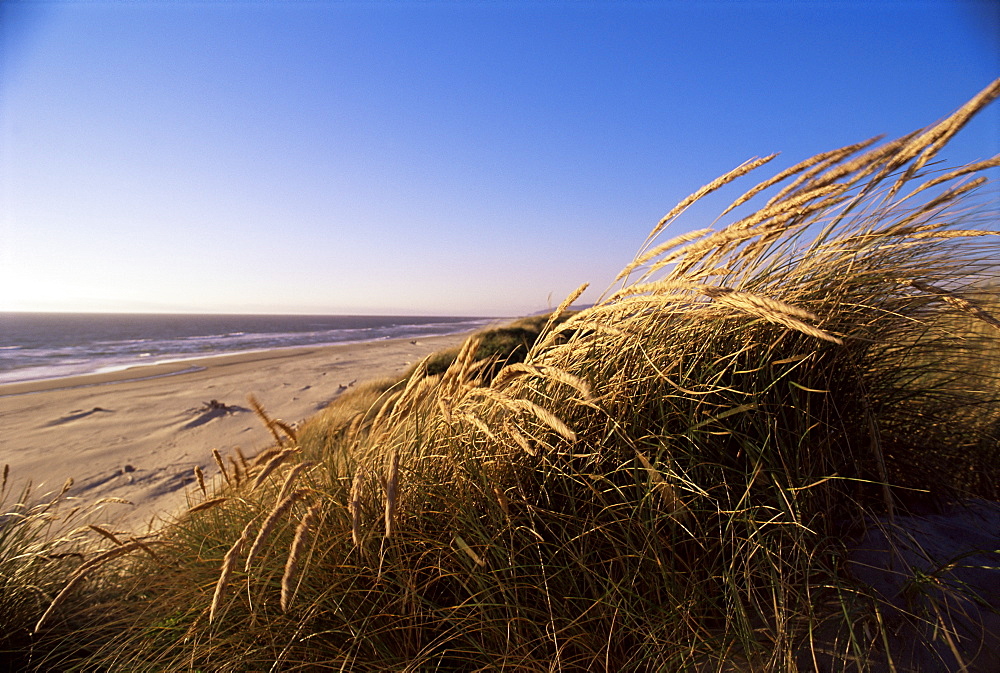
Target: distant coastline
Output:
[{"x": 50, "y": 346}]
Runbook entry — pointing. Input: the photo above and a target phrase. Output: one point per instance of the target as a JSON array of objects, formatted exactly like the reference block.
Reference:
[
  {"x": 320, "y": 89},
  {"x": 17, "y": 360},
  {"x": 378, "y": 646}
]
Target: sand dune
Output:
[{"x": 138, "y": 434}]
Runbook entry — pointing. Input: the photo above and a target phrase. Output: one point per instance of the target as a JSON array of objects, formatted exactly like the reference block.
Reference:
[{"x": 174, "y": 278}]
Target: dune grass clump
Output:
[
  {"x": 46, "y": 550},
  {"x": 666, "y": 481},
  {"x": 498, "y": 346},
  {"x": 29, "y": 573},
  {"x": 356, "y": 409}
]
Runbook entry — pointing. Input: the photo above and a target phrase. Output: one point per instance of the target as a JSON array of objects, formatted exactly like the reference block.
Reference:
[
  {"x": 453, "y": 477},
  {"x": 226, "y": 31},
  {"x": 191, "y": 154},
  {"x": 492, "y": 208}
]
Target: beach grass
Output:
[
  {"x": 48, "y": 546},
  {"x": 666, "y": 480}
]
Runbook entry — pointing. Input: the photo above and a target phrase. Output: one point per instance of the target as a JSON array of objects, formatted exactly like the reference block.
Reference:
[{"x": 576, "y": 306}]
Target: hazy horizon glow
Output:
[{"x": 424, "y": 158}]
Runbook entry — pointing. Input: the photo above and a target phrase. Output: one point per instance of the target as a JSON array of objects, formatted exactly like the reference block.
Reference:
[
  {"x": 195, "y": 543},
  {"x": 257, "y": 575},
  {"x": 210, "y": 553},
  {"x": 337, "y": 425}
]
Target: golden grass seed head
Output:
[
  {"x": 714, "y": 185},
  {"x": 226, "y": 570},
  {"x": 286, "y": 428},
  {"x": 271, "y": 522},
  {"x": 272, "y": 465},
  {"x": 520, "y": 439},
  {"x": 304, "y": 533},
  {"x": 208, "y": 504},
  {"x": 222, "y": 466},
  {"x": 546, "y": 332},
  {"x": 967, "y": 169},
  {"x": 477, "y": 423},
  {"x": 808, "y": 168},
  {"x": 962, "y": 303},
  {"x": 660, "y": 249},
  {"x": 105, "y": 532},
  {"x": 293, "y": 474},
  {"x": 391, "y": 492},
  {"x": 549, "y": 419},
  {"x": 200, "y": 476},
  {"x": 271, "y": 424},
  {"x": 933, "y": 139},
  {"x": 263, "y": 457}
]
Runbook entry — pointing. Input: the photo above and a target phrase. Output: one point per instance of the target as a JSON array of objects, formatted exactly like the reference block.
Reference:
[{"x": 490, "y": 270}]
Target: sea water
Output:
[{"x": 35, "y": 346}]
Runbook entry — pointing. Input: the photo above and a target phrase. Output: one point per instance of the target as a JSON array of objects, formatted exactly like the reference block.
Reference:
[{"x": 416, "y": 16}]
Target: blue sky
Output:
[{"x": 480, "y": 158}]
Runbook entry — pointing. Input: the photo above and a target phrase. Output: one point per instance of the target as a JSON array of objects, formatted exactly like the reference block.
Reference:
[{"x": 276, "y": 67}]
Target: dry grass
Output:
[
  {"x": 276, "y": 515},
  {"x": 44, "y": 557},
  {"x": 303, "y": 536},
  {"x": 229, "y": 562},
  {"x": 663, "y": 481}
]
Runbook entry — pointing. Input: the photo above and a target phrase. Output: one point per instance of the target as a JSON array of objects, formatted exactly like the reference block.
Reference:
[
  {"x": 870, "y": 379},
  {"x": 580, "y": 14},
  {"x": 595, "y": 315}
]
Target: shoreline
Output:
[
  {"x": 165, "y": 364},
  {"x": 138, "y": 433},
  {"x": 176, "y": 367}
]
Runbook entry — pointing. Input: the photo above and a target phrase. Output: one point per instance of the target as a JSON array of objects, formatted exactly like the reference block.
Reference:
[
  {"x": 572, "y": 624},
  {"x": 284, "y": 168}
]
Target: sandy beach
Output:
[{"x": 137, "y": 434}]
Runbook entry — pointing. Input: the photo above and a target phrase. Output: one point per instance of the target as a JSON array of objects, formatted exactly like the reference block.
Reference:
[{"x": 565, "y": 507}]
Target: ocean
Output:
[{"x": 35, "y": 346}]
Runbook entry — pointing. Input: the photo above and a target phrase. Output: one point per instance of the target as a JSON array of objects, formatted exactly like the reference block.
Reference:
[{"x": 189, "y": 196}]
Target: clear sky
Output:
[{"x": 465, "y": 158}]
